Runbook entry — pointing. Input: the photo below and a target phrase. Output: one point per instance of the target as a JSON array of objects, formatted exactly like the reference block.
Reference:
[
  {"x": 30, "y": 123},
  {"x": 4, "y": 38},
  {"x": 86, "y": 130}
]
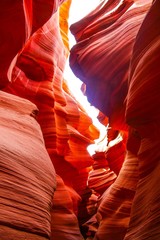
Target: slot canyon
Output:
[{"x": 52, "y": 187}]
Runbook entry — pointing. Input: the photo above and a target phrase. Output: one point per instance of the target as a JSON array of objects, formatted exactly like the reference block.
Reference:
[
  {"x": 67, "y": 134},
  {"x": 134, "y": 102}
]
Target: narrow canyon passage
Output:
[{"x": 79, "y": 148}]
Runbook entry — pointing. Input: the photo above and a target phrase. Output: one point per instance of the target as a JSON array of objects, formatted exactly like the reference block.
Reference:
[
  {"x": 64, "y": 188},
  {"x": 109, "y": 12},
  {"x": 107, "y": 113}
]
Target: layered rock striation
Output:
[{"x": 51, "y": 187}]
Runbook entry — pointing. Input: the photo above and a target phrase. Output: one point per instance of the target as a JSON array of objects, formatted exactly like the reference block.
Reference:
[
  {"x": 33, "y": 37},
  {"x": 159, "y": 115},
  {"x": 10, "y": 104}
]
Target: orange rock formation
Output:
[{"x": 51, "y": 188}]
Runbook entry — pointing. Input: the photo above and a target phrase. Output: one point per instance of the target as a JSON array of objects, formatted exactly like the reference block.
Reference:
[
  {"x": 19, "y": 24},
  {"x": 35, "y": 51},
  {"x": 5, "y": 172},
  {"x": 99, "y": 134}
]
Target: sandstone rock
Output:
[{"x": 28, "y": 177}]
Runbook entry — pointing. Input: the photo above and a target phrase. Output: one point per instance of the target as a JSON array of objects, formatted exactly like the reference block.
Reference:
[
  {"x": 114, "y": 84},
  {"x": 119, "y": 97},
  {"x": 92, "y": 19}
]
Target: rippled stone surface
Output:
[
  {"x": 143, "y": 114},
  {"x": 36, "y": 74},
  {"x": 28, "y": 177},
  {"x": 101, "y": 57},
  {"x": 117, "y": 58}
]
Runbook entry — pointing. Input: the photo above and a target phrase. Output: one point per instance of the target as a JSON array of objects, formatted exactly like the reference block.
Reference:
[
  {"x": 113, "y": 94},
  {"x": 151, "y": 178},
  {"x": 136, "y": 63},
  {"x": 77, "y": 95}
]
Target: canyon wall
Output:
[{"x": 51, "y": 187}]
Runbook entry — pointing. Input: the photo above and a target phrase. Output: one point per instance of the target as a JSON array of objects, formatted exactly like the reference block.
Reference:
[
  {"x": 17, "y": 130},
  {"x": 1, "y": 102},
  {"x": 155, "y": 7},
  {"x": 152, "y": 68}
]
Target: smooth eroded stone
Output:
[
  {"x": 101, "y": 56},
  {"x": 113, "y": 214},
  {"x": 64, "y": 221},
  {"x": 27, "y": 175},
  {"x": 143, "y": 114}
]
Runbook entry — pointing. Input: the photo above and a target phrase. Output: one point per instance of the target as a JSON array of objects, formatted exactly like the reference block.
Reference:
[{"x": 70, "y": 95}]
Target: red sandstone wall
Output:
[{"x": 51, "y": 187}]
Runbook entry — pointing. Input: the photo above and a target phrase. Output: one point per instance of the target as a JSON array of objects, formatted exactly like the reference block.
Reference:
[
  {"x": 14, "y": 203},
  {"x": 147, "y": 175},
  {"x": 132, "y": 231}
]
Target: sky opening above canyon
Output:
[{"x": 78, "y": 10}]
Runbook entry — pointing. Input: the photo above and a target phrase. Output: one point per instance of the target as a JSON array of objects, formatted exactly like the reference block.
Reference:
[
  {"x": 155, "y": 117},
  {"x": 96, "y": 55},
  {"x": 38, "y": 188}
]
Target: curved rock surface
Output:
[
  {"x": 101, "y": 176},
  {"x": 64, "y": 221},
  {"x": 36, "y": 74},
  {"x": 113, "y": 194},
  {"x": 143, "y": 114},
  {"x": 113, "y": 214},
  {"x": 101, "y": 56},
  {"x": 28, "y": 177}
]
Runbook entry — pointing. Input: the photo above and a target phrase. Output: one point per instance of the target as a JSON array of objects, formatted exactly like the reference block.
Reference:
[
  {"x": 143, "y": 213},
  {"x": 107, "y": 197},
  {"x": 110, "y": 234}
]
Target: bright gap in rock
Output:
[{"x": 78, "y": 10}]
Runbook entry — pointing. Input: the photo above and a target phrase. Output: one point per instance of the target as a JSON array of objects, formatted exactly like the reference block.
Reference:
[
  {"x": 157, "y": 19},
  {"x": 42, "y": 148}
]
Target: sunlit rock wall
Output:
[
  {"x": 34, "y": 50},
  {"x": 117, "y": 57},
  {"x": 101, "y": 57},
  {"x": 51, "y": 187}
]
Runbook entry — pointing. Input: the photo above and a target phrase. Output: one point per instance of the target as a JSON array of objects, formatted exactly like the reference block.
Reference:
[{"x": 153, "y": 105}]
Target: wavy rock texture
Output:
[
  {"x": 113, "y": 214},
  {"x": 120, "y": 42},
  {"x": 143, "y": 114},
  {"x": 116, "y": 151},
  {"x": 64, "y": 222},
  {"x": 28, "y": 177},
  {"x": 18, "y": 22},
  {"x": 105, "y": 58},
  {"x": 102, "y": 54},
  {"x": 101, "y": 177},
  {"x": 37, "y": 75},
  {"x": 117, "y": 57}
]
